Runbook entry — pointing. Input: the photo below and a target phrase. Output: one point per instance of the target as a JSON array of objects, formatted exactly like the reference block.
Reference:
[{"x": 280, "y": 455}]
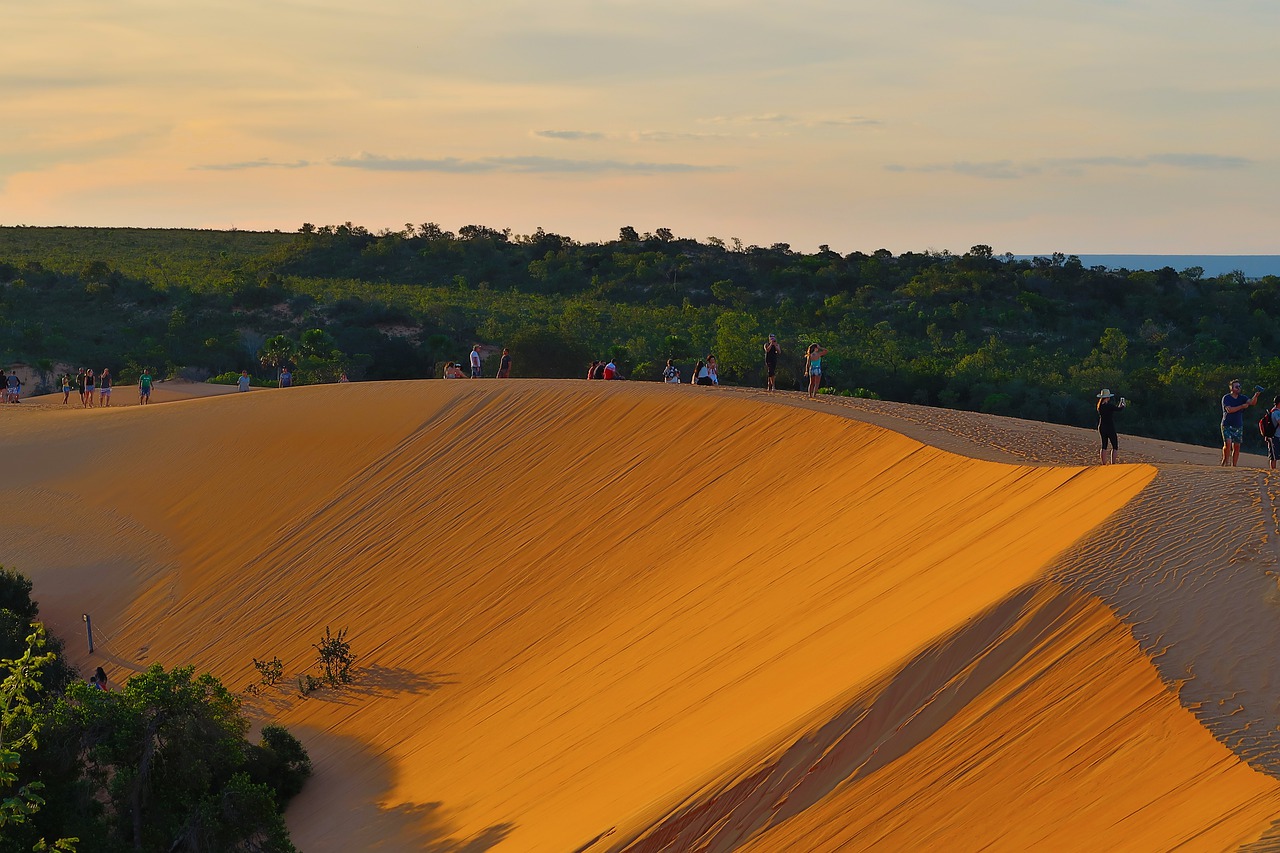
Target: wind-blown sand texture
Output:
[{"x": 627, "y": 616}]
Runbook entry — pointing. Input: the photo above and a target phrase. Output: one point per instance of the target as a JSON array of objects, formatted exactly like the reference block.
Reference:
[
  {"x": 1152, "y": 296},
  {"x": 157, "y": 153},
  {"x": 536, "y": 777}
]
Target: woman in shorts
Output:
[
  {"x": 66, "y": 388},
  {"x": 813, "y": 368}
]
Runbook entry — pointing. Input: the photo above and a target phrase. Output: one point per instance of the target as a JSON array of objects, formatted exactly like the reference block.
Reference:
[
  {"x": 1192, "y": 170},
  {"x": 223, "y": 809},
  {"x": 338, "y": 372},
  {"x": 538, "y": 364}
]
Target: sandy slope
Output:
[{"x": 630, "y": 616}]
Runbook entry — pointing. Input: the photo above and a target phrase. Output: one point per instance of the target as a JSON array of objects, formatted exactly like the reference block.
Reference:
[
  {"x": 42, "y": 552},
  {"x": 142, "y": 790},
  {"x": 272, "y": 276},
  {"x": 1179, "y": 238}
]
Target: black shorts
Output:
[{"x": 770, "y": 367}]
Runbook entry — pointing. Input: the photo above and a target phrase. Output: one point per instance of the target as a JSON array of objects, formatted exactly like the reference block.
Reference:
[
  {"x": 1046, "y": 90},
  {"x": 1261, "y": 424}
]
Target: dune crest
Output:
[{"x": 626, "y": 616}]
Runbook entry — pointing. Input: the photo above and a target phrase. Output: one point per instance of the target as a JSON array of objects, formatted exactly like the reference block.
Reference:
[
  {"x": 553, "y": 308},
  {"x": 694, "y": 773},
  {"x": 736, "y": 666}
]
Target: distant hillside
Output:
[{"x": 1033, "y": 337}]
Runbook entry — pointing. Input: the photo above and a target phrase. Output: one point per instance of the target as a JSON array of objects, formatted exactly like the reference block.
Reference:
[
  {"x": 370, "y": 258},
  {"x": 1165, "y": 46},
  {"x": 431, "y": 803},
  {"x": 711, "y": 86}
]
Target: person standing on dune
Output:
[
  {"x": 144, "y": 387},
  {"x": 504, "y": 365},
  {"x": 1273, "y": 440},
  {"x": 88, "y": 387},
  {"x": 771, "y": 353},
  {"x": 475, "y": 362},
  {"x": 813, "y": 368},
  {"x": 104, "y": 388},
  {"x": 1233, "y": 405},
  {"x": 1107, "y": 424}
]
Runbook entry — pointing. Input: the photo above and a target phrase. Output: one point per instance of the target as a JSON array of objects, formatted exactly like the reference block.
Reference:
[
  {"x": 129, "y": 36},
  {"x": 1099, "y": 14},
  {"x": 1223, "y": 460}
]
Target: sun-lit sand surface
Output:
[{"x": 626, "y": 616}]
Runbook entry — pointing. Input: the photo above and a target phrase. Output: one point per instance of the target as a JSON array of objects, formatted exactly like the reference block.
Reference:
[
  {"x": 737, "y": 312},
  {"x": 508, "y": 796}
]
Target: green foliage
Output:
[
  {"x": 1029, "y": 337},
  {"x": 21, "y": 689},
  {"x": 336, "y": 657},
  {"x": 270, "y": 671}
]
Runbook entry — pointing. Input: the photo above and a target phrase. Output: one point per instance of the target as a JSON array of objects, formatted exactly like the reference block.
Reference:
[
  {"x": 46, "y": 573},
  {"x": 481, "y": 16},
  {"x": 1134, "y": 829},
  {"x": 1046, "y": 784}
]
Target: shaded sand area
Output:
[{"x": 625, "y": 616}]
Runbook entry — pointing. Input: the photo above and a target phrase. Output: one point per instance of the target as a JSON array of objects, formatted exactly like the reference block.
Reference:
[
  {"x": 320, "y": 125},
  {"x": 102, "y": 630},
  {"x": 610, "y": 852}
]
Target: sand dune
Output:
[{"x": 635, "y": 617}]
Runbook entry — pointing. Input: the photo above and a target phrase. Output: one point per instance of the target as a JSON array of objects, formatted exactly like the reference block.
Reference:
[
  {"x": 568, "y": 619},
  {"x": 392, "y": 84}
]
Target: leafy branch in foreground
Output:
[{"x": 19, "y": 726}]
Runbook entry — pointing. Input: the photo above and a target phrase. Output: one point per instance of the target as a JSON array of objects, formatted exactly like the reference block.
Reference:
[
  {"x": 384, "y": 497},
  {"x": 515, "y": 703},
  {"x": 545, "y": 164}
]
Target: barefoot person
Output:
[
  {"x": 504, "y": 365},
  {"x": 1271, "y": 433},
  {"x": 813, "y": 368},
  {"x": 1233, "y": 404},
  {"x": 771, "y": 353},
  {"x": 1107, "y": 424},
  {"x": 104, "y": 388}
]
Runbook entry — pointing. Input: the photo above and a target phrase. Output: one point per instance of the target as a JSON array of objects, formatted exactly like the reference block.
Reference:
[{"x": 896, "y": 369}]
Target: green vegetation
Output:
[
  {"x": 1030, "y": 338},
  {"x": 161, "y": 765}
]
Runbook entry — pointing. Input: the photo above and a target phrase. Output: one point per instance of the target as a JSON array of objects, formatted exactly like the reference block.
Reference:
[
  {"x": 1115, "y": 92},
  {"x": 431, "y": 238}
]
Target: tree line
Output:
[{"x": 1033, "y": 338}]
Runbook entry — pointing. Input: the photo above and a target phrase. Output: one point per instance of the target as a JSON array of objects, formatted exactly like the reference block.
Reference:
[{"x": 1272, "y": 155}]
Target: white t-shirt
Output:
[{"x": 475, "y": 358}]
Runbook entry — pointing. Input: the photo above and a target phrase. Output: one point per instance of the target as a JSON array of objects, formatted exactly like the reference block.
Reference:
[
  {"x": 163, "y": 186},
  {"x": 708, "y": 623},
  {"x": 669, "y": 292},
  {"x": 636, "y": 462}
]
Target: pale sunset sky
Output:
[{"x": 1081, "y": 126}]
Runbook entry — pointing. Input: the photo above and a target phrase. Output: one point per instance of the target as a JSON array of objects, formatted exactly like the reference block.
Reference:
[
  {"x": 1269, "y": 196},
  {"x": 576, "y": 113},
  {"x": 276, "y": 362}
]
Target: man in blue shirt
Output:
[{"x": 1233, "y": 422}]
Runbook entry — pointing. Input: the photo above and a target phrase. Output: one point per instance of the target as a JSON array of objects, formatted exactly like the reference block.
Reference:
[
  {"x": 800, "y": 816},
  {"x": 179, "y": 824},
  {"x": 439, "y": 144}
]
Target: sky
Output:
[{"x": 1080, "y": 126}]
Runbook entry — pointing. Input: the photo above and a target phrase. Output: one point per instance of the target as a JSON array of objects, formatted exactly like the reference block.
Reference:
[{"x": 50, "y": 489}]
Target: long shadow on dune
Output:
[
  {"x": 341, "y": 808},
  {"x": 869, "y": 732},
  {"x": 1191, "y": 565}
]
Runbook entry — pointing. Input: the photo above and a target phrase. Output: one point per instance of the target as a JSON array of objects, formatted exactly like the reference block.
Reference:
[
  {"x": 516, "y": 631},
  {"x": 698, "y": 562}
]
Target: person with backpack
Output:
[
  {"x": 1269, "y": 425},
  {"x": 1107, "y": 424}
]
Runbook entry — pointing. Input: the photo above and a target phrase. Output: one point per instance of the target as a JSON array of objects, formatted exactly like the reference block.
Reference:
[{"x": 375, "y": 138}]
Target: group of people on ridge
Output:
[{"x": 87, "y": 384}]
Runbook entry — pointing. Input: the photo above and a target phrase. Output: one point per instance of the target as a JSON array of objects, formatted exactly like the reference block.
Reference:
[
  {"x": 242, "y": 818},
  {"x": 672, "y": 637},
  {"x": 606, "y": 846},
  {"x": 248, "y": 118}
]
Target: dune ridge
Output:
[{"x": 636, "y": 617}]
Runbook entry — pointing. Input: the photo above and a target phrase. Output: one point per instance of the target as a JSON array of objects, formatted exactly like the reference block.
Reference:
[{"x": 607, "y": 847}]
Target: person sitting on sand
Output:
[
  {"x": 671, "y": 373},
  {"x": 713, "y": 369},
  {"x": 813, "y": 368},
  {"x": 1107, "y": 424},
  {"x": 701, "y": 376},
  {"x": 611, "y": 371},
  {"x": 1233, "y": 404}
]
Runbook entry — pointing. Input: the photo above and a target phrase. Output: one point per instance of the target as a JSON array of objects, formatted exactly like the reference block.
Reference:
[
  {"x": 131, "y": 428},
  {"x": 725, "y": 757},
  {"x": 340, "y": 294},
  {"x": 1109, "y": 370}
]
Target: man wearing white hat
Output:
[{"x": 1107, "y": 424}]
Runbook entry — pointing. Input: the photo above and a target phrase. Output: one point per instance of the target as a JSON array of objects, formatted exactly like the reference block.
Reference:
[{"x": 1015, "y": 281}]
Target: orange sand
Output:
[{"x": 629, "y": 616}]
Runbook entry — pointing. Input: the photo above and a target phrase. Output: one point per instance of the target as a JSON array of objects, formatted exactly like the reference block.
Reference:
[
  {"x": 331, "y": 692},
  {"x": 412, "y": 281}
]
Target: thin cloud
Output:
[
  {"x": 251, "y": 164},
  {"x": 1071, "y": 166},
  {"x": 570, "y": 135},
  {"x": 851, "y": 121},
  {"x": 672, "y": 136},
  {"x": 519, "y": 165}
]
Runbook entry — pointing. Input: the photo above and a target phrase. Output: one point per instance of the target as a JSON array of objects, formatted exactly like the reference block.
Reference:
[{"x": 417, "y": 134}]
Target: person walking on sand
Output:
[
  {"x": 475, "y": 362},
  {"x": 144, "y": 387},
  {"x": 771, "y": 353},
  {"x": 1107, "y": 424},
  {"x": 1233, "y": 404},
  {"x": 89, "y": 387},
  {"x": 15, "y": 388},
  {"x": 242, "y": 381},
  {"x": 66, "y": 388},
  {"x": 1273, "y": 440},
  {"x": 104, "y": 388},
  {"x": 813, "y": 368},
  {"x": 286, "y": 378},
  {"x": 504, "y": 365}
]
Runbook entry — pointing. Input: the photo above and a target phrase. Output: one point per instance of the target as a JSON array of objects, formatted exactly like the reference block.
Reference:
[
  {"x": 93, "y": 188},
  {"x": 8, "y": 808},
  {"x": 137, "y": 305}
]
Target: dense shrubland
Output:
[
  {"x": 160, "y": 764},
  {"x": 1032, "y": 338}
]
